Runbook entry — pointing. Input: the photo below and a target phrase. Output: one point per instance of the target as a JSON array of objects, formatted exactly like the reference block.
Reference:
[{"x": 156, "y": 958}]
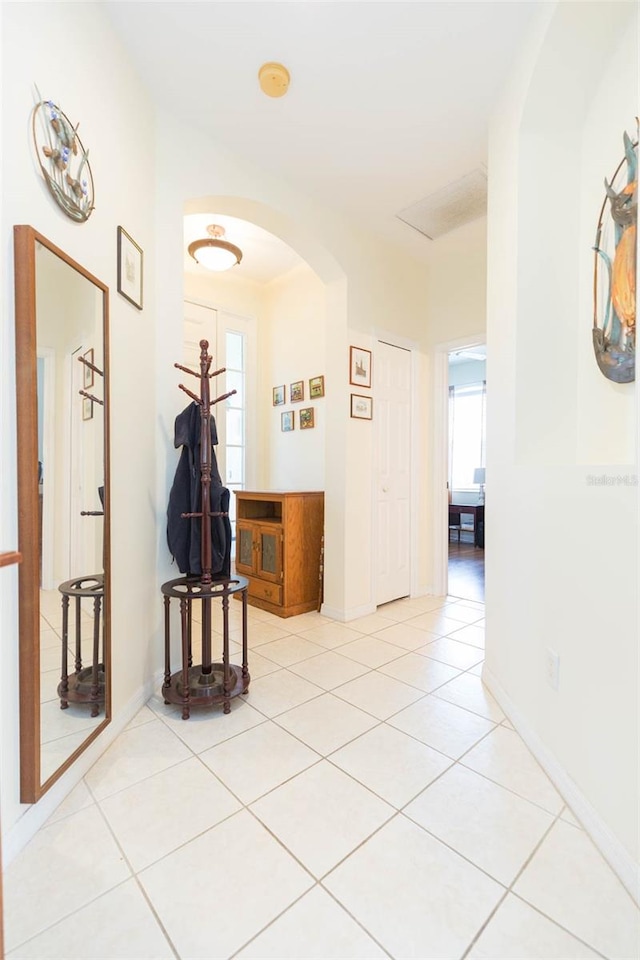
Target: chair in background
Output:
[{"x": 454, "y": 522}]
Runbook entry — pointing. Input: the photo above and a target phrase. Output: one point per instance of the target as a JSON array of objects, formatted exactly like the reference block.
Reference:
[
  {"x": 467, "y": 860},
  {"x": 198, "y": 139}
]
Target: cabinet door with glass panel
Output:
[{"x": 259, "y": 551}]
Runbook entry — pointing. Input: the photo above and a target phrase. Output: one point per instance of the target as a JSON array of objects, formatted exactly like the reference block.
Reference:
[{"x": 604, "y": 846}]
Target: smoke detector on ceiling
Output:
[{"x": 274, "y": 79}]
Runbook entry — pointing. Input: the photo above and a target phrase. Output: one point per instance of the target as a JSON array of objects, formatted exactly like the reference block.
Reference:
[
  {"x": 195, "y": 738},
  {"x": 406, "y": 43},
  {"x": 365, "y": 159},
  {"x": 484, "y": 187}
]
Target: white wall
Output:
[
  {"x": 295, "y": 348},
  {"x": 225, "y": 291},
  {"x": 69, "y": 51},
  {"x": 568, "y": 580},
  {"x": 457, "y": 275}
]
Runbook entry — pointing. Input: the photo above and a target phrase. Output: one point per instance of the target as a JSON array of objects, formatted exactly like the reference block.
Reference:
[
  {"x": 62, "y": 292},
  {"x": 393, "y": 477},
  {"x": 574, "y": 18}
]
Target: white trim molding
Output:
[
  {"x": 353, "y": 613},
  {"x": 613, "y": 851}
]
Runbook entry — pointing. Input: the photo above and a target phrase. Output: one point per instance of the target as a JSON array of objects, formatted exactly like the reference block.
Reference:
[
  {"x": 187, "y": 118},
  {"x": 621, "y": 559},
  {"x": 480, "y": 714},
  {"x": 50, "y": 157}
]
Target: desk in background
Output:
[{"x": 477, "y": 512}]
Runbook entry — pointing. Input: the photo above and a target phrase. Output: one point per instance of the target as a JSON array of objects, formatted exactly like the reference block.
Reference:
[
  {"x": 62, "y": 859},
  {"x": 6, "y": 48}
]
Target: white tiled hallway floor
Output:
[{"x": 368, "y": 798}]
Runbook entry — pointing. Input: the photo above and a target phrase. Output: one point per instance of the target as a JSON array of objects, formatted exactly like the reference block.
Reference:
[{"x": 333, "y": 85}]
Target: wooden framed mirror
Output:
[{"x": 62, "y": 379}]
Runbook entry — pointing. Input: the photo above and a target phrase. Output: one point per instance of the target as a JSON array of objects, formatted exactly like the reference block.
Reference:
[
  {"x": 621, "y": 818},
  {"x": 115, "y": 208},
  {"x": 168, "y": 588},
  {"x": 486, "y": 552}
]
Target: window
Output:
[
  {"x": 467, "y": 430},
  {"x": 235, "y": 417}
]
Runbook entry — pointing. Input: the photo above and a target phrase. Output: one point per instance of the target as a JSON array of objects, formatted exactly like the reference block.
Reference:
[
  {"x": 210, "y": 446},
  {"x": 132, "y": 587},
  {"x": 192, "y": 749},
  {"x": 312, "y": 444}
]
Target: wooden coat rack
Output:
[{"x": 207, "y": 683}]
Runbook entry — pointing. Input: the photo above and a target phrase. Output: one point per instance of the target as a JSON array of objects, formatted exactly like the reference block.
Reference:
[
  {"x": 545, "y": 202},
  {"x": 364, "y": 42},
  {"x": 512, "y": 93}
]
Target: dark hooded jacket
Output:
[{"x": 184, "y": 535}]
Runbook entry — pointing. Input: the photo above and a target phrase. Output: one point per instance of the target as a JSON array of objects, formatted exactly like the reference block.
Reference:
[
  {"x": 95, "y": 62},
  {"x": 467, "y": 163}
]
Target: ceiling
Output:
[
  {"x": 388, "y": 101},
  {"x": 264, "y": 257},
  {"x": 468, "y": 355}
]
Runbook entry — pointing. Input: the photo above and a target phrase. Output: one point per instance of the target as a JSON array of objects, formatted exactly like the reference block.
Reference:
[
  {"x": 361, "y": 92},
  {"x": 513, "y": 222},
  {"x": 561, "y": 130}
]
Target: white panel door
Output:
[
  {"x": 232, "y": 343},
  {"x": 392, "y": 419}
]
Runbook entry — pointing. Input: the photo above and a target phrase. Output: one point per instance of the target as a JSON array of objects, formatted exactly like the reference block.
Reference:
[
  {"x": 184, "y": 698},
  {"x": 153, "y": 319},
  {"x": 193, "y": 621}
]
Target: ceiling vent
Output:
[{"x": 452, "y": 206}]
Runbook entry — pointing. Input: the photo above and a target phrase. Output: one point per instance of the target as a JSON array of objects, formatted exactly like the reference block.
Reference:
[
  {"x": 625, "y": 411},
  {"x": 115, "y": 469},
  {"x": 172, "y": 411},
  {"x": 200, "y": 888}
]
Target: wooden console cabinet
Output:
[{"x": 278, "y": 540}]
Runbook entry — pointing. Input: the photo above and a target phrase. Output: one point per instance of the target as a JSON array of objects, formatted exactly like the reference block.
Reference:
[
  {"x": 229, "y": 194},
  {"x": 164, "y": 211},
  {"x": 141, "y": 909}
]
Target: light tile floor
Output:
[{"x": 368, "y": 798}]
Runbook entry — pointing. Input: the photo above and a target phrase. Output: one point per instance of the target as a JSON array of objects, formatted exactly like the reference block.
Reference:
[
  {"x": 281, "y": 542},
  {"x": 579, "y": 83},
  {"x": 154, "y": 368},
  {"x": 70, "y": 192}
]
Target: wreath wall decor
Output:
[{"x": 63, "y": 160}]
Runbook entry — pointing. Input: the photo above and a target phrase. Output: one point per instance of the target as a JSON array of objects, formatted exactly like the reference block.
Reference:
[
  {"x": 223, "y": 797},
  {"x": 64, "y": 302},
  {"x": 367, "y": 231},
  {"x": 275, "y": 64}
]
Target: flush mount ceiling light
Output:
[
  {"x": 274, "y": 79},
  {"x": 215, "y": 253}
]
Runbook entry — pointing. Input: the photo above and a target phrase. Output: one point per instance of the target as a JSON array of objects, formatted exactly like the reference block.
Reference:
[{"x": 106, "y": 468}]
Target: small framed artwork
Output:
[
  {"x": 361, "y": 407},
  {"x": 87, "y": 408},
  {"x": 287, "y": 421},
  {"x": 316, "y": 387},
  {"x": 359, "y": 367},
  {"x": 130, "y": 263},
  {"x": 307, "y": 420},
  {"x": 296, "y": 391},
  {"x": 87, "y": 377},
  {"x": 279, "y": 395}
]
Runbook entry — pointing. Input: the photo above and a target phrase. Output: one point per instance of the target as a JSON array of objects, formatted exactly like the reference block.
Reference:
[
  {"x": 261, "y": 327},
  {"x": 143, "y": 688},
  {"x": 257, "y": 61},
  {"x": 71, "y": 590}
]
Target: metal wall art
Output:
[
  {"x": 614, "y": 273},
  {"x": 63, "y": 160}
]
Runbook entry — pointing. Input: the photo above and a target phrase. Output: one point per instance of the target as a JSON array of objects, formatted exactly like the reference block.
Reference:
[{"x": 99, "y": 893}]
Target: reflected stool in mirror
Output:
[{"x": 86, "y": 684}]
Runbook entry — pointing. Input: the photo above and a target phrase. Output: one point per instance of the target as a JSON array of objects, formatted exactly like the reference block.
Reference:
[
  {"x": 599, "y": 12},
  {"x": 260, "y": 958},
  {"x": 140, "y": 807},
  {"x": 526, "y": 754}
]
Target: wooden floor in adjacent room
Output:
[{"x": 466, "y": 569}]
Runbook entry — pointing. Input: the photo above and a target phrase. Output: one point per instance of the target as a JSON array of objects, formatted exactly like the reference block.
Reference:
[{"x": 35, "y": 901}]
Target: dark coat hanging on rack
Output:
[{"x": 184, "y": 535}]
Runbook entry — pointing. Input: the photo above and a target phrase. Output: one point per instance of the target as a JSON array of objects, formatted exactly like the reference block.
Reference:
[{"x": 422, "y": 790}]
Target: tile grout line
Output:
[
  {"x": 511, "y": 891},
  {"x": 319, "y": 885},
  {"x": 69, "y": 916},
  {"x": 134, "y": 876},
  {"x": 556, "y": 923}
]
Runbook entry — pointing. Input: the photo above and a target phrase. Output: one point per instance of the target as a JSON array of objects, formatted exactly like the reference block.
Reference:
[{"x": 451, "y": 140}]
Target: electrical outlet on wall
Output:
[{"x": 552, "y": 668}]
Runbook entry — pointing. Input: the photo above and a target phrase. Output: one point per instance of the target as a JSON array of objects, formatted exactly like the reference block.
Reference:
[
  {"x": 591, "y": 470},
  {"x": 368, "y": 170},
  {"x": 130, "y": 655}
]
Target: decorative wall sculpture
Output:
[
  {"x": 614, "y": 272},
  {"x": 63, "y": 160}
]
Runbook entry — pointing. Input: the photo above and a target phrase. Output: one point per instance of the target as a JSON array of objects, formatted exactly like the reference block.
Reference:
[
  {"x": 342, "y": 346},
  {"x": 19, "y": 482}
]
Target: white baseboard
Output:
[
  {"x": 424, "y": 591},
  {"x": 345, "y": 615},
  {"x": 36, "y": 814},
  {"x": 614, "y": 852},
  {"x": 366, "y": 608}
]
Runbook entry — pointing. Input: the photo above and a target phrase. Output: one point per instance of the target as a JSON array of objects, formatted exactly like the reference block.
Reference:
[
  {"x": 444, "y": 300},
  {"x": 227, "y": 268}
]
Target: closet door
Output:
[{"x": 392, "y": 421}]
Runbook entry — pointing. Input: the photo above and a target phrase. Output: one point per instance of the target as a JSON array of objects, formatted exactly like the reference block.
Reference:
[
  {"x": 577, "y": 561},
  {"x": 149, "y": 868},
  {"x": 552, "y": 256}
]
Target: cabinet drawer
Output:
[{"x": 265, "y": 591}]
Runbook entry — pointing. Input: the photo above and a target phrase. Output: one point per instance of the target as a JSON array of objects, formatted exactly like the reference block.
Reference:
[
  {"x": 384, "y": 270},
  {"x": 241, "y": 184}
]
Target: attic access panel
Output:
[{"x": 458, "y": 203}]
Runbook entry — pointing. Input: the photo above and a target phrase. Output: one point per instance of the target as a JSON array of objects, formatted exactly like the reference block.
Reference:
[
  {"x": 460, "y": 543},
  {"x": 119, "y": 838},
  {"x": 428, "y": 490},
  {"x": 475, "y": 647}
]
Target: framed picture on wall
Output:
[
  {"x": 87, "y": 408},
  {"x": 287, "y": 421},
  {"x": 316, "y": 387},
  {"x": 361, "y": 407},
  {"x": 279, "y": 395},
  {"x": 307, "y": 420},
  {"x": 359, "y": 367},
  {"x": 130, "y": 260},
  {"x": 296, "y": 391},
  {"x": 87, "y": 372}
]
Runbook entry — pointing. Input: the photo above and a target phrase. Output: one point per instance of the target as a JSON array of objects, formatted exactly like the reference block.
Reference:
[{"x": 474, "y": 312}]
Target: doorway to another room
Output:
[{"x": 466, "y": 472}]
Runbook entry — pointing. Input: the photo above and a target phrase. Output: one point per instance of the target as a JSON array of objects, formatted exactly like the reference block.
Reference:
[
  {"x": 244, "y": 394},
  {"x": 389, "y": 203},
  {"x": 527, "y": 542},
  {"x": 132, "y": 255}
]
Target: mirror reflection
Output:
[
  {"x": 61, "y": 324},
  {"x": 70, "y": 485}
]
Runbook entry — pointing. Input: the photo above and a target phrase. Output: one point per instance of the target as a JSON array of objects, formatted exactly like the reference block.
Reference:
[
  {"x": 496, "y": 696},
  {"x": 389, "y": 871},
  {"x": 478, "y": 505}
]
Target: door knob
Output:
[{"x": 385, "y": 489}]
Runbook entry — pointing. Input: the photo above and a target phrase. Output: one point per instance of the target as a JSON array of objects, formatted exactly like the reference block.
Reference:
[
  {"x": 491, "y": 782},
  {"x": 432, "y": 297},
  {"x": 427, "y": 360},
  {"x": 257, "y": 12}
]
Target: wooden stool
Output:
[{"x": 86, "y": 684}]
